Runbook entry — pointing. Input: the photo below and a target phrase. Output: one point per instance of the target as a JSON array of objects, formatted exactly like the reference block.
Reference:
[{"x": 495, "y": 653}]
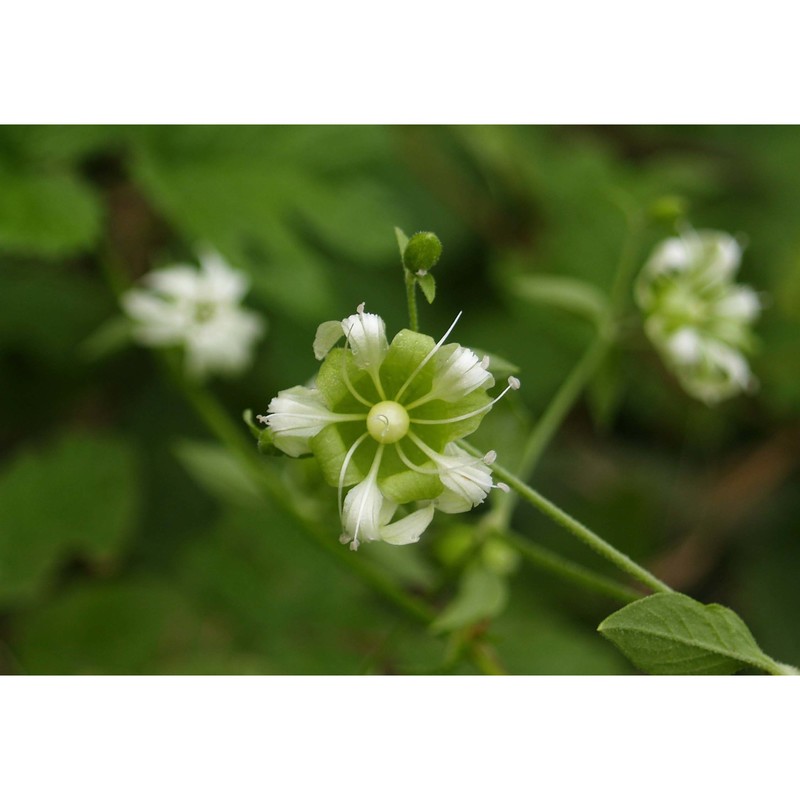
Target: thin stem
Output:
[
  {"x": 577, "y": 529},
  {"x": 411, "y": 298},
  {"x": 551, "y": 562}
]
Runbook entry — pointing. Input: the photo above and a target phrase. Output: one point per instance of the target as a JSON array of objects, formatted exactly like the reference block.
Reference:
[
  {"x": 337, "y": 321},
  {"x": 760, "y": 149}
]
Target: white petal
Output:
[
  {"x": 466, "y": 480},
  {"x": 362, "y": 511},
  {"x": 328, "y": 334},
  {"x": 723, "y": 251},
  {"x": 740, "y": 304},
  {"x": 294, "y": 417},
  {"x": 223, "y": 343},
  {"x": 220, "y": 282},
  {"x": 685, "y": 346},
  {"x": 367, "y": 336},
  {"x": 178, "y": 282},
  {"x": 158, "y": 322},
  {"x": 671, "y": 254},
  {"x": 410, "y": 528},
  {"x": 459, "y": 373}
]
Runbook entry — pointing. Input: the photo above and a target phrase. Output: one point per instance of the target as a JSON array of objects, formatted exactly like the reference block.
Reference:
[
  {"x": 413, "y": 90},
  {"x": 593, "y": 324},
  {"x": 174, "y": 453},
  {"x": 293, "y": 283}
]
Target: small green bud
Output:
[
  {"x": 669, "y": 208},
  {"x": 422, "y": 252}
]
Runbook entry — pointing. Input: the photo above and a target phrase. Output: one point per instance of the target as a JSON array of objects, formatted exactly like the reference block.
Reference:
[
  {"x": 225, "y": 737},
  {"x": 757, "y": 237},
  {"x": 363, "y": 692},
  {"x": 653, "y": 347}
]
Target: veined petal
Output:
[
  {"x": 328, "y": 334},
  {"x": 410, "y": 528},
  {"x": 457, "y": 374},
  {"x": 363, "y": 511},
  {"x": 466, "y": 480},
  {"x": 367, "y": 336},
  {"x": 295, "y": 416}
]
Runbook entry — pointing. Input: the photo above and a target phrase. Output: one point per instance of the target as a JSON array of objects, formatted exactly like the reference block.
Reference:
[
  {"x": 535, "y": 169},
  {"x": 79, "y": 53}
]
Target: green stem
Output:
[
  {"x": 577, "y": 529},
  {"x": 235, "y": 439},
  {"x": 782, "y": 669},
  {"x": 549, "y": 423},
  {"x": 576, "y": 573},
  {"x": 411, "y": 297}
]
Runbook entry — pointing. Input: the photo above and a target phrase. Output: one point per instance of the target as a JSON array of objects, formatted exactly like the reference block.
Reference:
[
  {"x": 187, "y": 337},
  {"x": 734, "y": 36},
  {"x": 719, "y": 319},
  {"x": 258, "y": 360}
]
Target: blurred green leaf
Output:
[
  {"x": 219, "y": 473},
  {"x": 78, "y": 497},
  {"x": 568, "y": 294},
  {"x": 672, "y": 634},
  {"x": 482, "y": 594},
  {"x": 137, "y": 626},
  {"x": 46, "y": 214}
]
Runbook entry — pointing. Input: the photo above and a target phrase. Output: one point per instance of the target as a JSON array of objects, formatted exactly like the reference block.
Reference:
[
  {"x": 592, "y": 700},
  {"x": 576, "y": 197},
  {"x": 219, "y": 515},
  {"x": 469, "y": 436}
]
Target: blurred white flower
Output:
[
  {"x": 696, "y": 316},
  {"x": 198, "y": 309}
]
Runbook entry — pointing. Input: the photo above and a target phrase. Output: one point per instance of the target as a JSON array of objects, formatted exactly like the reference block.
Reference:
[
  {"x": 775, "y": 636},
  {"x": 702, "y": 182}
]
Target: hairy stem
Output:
[
  {"x": 411, "y": 298},
  {"x": 577, "y": 529},
  {"x": 562, "y": 567}
]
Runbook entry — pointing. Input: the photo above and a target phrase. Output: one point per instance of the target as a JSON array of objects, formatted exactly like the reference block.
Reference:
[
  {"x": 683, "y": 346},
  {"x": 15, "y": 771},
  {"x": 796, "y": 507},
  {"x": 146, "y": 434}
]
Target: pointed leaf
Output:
[
  {"x": 428, "y": 285},
  {"x": 672, "y": 634}
]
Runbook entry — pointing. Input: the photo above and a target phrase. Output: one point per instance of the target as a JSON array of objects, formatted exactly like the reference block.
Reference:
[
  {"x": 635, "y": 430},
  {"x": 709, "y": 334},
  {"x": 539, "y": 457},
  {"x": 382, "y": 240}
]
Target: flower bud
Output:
[{"x": 422, "y": 253}]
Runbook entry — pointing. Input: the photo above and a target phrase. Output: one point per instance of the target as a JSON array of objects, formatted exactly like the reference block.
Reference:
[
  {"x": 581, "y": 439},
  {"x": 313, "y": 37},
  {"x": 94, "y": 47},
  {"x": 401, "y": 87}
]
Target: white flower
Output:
[
  {"x": 696, "y": 316},
  {"x": 384, "y": 420},
  {"x": 198, "y": 310}
]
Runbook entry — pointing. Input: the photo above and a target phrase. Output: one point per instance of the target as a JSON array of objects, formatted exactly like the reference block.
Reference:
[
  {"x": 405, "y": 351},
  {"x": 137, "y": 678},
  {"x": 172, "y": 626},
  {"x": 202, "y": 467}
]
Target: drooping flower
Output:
[
  {"x": 697, "y": 317},
  {"x": 385, "y": 420},
  {"x": 198, "y": 310}
]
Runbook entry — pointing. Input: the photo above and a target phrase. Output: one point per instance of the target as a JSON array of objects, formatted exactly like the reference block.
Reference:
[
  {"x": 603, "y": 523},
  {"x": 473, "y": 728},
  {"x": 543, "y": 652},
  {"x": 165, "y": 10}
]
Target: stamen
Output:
[
  {"x": 427, "y": 358},
  {"x": 332, "y": 416},
  {"x": 513, "y": 383},
  {"x": 346, "y": 378},
  {"x": 343, "y": 472},
  {"x": 373, "y": 472},
  {"x": 416, "y": 468}
]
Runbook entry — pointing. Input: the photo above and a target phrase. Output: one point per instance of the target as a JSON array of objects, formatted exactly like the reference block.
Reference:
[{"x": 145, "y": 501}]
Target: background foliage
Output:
[{"x": 130, "y": 542}]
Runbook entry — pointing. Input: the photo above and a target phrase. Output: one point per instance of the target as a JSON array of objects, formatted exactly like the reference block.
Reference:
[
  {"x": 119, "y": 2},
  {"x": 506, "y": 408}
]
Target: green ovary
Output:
[{"x": 387, "y": 422}]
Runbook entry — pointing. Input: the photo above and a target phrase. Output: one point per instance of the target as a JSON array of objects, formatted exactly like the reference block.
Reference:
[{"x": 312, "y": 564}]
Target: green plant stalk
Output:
[
  {"x": 411, "y": 298},
  {"x": 549, "y": 423},
  {"x": 562, "y": 567},
  {"x": 577, "y": 529},
  {"x": 229, "y": 434}
]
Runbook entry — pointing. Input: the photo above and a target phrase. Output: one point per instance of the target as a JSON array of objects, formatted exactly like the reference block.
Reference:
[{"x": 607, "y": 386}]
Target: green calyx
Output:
[{"x": 387, "y": 421}]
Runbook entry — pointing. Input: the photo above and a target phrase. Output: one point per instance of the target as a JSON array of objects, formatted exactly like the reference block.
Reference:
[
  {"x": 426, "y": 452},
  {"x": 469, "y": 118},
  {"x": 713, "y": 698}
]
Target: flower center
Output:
[{"x": 387, "y": 422}]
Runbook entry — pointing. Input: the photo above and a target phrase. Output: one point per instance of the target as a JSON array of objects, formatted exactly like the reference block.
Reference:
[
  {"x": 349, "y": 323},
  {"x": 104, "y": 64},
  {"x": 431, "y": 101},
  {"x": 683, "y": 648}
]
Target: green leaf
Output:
[
  {"x": 111, "y": 337},
  {"x": 428, "y": 285},
  {"x": 78, "y": 497},
  {"x": 46, "y": 215},
  {"x": 422, "y": 252},
  {"x": 402, "y": 241},
  {"x": 568, "y": 294},
  {"x": 672, "y": 634},
  {"x": 482, "y": 594},
  {"x": 217, "y": 471}
]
